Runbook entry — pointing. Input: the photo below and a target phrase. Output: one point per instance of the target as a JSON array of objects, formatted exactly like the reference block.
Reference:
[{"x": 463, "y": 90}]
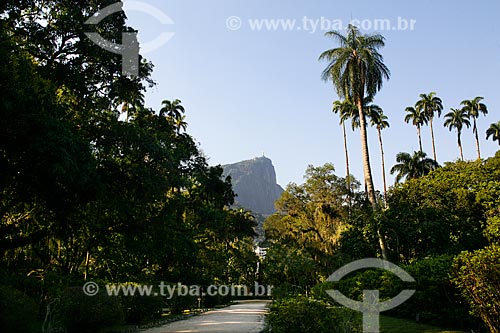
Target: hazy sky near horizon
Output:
[{"x": 247, "y": 91}]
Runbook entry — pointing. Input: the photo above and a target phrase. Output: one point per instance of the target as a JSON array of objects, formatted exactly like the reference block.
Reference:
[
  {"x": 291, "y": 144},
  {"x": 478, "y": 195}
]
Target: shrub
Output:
[
  {"x": 477, "y": 275},
  {"x": 142, "y": 309},
  {"x": 18, "y": 312},
  {"x": 213, "y": 301},
  {"x": 436, "y": 300},
  {"x": 81, "y": 313},
  {"x": 301, "y": 314},
  {"x": 179, "y": 303},
  {"x": 285, "y": 290}
]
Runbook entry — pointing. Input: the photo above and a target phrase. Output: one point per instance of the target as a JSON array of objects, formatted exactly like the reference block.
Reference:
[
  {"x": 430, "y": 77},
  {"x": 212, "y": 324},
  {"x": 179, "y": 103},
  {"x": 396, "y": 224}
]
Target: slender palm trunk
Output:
[
  {"x": 419, "y": 139},
  {"x": 432, "y": 136},
  {"x": 383, "y": 161},
  {"x": 348, "y": 175},
  {"x": 460, "y": 146},
  {"x": 368, "y": 172},
  {"x": 477, "y": 140}
]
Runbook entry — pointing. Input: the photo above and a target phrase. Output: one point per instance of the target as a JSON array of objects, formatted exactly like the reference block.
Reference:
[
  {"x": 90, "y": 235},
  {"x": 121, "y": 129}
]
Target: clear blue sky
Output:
[{"x": 247, "y": 92}]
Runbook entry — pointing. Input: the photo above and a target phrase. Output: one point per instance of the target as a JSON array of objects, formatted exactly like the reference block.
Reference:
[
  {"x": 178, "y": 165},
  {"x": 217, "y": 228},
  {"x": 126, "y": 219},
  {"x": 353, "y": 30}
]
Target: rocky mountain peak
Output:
[{"x": 254, "y": 182}]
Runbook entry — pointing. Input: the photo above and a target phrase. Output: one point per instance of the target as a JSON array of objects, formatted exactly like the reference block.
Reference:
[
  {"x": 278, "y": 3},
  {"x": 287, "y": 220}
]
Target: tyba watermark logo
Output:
[
  {"x": 371, "y": 305},
  {"x": 129, "y": 48}
]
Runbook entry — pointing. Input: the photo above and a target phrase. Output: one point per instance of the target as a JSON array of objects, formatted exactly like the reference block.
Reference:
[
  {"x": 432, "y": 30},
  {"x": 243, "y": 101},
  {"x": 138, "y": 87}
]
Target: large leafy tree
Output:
[
  {"x": 474, "y": 108},
  {"x": 380, "y": 121},
  {"x": 457, "y": 118},
  {"x": 311, "y": 216},
  {"x": 430, "y": 104},
  {"x": 53, "y": 33},
  {"x": 357, "y": 71},
  {"x": 413, "y": 166},
  {"x": 444, "y": 212},
  {"x": 47, "y": 168},
  {"x": 494, "y": 132},
  {"x": 84, "y": 194},
  {"x": 418, "y": 118}
]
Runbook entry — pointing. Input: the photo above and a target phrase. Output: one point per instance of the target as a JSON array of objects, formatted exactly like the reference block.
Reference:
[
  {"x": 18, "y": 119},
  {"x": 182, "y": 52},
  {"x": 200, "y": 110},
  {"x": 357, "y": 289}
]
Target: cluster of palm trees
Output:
[
  {"x": 357, "y": 72},
  {"x": 375, "y": 116},
  {"x": 429, "y": 105}
]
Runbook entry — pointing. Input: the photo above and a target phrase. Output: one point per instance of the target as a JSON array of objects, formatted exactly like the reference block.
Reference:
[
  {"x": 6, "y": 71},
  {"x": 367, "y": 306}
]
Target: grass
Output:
[{"x": 395, "y": 325}]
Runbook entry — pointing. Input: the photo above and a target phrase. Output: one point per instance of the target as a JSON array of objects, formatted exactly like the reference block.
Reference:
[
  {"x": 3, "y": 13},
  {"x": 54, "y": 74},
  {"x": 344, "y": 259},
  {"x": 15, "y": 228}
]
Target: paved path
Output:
[{"x": 243, "y": 317}]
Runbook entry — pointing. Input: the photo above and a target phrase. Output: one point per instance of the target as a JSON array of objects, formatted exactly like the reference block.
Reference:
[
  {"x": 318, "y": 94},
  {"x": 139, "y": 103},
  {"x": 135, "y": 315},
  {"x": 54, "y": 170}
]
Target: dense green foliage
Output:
[
  {"x": 306, "y": 229},
  {"x": 428, "y": 222},
  {"x": 477, "y": 274},
  {"x": 90, "y": 193},
  {"x": 302, "y": 314},
  {"x": 95, "y": 186},
  {"x": 432, "y": 283}
]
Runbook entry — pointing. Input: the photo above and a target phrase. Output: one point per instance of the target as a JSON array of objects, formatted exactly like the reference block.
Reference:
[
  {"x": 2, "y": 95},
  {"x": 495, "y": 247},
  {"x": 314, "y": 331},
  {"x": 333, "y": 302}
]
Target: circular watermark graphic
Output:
[
  {"x": 129, "y": 49},
  {"x": 90, "y": 288},
  {"x": 234, "y": 23},
  {"x": 371, "y": 306}
]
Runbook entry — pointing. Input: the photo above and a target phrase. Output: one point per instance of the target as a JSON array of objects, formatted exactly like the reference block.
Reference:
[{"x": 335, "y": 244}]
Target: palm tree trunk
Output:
[
  {"x": 477, "y": 140},
  {"x": 432, "y": 136},
  {"x": 383, "y": 162},
  {"x": 368, "y": 172},
  {"x": 460, "y": 147},
  {"x": 348, "y": 175},
  {"x": 419, "y": 139},
  {"x": 366, "y": 158}
]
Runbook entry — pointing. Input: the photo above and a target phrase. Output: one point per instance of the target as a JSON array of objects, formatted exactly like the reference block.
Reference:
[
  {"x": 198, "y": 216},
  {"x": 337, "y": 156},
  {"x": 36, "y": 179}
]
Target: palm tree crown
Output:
[
  {"x": 457, "y": 118},
  {"x": 412, "y": 167},
  {"x": 174, "y": 112},
  {"x": 474, "y": 108},
  {"x": 494, "y": 132},
  {"x": 377, "y": 116},
  {"x": 430, "y": 104},
  {"x": 346, "y": 110},
  {"x": 355, "y": 67},
  {"x": 418, "y": 118}
]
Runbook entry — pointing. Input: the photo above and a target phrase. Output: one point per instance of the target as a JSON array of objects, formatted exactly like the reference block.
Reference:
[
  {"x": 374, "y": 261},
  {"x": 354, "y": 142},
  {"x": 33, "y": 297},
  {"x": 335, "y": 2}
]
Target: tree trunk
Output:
[
  {"x": 432, "y": 136},
  {"x": 368, "y": 171},
  {"x": 383, "y": 162},
  {"x": 419, "y": 139},
  {"x": 366, "y": 157},
  {"x": 348, "y": 175},
  {"x": 477, "y": 140},
  {"x": 460, "y": 147}
]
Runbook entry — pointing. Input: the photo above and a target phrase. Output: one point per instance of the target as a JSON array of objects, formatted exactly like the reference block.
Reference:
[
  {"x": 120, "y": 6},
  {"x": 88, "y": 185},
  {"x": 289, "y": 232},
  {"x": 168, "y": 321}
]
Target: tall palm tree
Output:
[
  {"x": 346, "y": 110},
  {"x": 457, "y": 118},
  {"x": 494, "y": 132},
  {"x": 418, "y": 118},
  {"x": 412, "y": 167},
  {"x": 380, "y": 121},
  {"x": 430, "y": 104},
  {"x": 357, "y": 70},
  {"x": 474, "y": 107}
]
